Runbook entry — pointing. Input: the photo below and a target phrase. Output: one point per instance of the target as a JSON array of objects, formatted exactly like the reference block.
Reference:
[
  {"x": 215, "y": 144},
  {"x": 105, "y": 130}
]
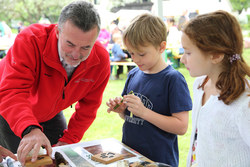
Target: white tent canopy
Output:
[{"x": 176, "y": 7}]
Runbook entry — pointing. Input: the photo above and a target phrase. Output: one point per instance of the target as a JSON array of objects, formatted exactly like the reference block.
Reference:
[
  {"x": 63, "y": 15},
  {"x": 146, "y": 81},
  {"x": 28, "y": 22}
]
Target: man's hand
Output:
[
  {"x": 5, "y": 152},
  {"x": 33, "y": 141},
  {"x": 60, "y": 143}
]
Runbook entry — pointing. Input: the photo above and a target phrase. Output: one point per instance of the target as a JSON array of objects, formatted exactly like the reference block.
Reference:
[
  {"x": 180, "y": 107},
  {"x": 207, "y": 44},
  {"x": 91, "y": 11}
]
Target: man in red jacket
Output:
[{"x": 48, "y": 68}]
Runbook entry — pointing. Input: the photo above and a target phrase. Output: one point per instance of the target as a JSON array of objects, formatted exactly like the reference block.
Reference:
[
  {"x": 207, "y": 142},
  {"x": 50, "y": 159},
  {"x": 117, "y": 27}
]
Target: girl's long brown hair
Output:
[{"x": 220, "y": 33}]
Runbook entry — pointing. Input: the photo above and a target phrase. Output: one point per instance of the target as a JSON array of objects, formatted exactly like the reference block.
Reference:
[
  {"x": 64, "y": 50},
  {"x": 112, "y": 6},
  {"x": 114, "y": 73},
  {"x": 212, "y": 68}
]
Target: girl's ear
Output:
[
  {"x": 163, "y": 46},
  {"x": 216, "y": 58}
]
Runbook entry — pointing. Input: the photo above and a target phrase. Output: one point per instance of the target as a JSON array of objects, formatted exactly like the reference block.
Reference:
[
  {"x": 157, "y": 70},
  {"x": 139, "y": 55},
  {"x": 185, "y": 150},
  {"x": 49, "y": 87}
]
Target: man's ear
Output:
[
  {"x": 163, "y": 46},
  {"x": 57, "y": 32},
  {"x": 217, "y": 58}
]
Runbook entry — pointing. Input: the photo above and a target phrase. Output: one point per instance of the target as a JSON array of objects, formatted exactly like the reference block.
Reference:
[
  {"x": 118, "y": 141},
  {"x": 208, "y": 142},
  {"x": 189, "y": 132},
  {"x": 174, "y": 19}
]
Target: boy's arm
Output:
[
  {"x": 116, "y": 105},
  {"x": 122, "y": 115},
  {"x": 176, "y": 124}
]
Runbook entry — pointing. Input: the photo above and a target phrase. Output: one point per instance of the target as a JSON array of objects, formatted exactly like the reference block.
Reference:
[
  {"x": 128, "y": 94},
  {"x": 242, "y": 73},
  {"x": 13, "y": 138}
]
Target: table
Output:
[
  {"x": 122, "y": 63},
  {"x": 6, "y": 42},
  {"x": 127, "y": 62},
  {"x": 4, "y": 46},
  {"x": 79, "y": 154}
]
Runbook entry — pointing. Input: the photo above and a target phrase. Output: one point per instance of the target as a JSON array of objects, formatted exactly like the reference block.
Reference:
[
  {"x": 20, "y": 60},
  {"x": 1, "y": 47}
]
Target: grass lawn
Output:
[{"x": 110, "y": 125}]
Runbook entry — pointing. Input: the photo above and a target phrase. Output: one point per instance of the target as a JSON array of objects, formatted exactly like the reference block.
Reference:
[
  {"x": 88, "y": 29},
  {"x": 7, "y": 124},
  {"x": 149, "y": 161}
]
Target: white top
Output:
[{"x": 223, "y": 130}]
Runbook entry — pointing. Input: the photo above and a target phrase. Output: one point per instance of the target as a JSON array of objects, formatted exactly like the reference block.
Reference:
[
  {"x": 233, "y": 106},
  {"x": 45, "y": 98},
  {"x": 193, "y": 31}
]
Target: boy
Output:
[
  {"x": 117, "y": 53},
  {"x": 157, "y": 111}
]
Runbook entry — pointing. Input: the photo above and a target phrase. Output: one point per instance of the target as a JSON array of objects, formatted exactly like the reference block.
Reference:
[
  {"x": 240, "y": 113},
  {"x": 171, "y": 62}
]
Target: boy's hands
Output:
[
  {"x": 134, "y": 105},
  {"x": 130, "y": 101},
  {"x": 113, "y": 103}
]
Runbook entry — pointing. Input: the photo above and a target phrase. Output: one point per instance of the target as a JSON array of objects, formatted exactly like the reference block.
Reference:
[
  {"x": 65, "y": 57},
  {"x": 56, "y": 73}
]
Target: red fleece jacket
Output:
[{"x": 34, "y": 86}]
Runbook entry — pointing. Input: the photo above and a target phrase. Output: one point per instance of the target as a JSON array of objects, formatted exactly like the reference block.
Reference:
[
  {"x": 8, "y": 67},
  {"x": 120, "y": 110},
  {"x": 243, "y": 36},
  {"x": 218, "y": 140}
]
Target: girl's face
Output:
[
  {"x": 196, "y": 61},
  {"x": 148, "y": 58}
]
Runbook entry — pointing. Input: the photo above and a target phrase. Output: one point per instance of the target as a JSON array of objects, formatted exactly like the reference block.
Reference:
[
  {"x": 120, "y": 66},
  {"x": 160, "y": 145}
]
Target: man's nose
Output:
[{"x": 76, "y": 53}]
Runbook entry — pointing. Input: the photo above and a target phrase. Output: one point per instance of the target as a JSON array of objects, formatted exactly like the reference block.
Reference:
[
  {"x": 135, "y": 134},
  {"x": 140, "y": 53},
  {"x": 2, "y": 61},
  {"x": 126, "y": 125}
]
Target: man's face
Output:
[{"x": 74, "y": 44}]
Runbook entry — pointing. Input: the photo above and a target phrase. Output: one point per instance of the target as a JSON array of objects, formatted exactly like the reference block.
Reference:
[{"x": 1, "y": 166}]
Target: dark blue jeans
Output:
[{"x": 53, "y": 129}]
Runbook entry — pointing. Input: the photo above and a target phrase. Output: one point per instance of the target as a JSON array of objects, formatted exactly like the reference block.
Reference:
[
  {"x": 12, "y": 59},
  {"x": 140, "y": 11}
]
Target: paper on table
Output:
[{"x": 79, "y": 154}]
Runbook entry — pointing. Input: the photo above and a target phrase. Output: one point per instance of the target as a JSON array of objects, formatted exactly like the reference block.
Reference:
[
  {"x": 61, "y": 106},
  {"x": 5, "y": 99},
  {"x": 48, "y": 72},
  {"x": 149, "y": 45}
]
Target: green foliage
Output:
[
  {"x": 240, "y": 5},
  {"x": 30, "y": 11},
  {"x": 246, "y": 56},
  {"x": 246, "y": 27}
]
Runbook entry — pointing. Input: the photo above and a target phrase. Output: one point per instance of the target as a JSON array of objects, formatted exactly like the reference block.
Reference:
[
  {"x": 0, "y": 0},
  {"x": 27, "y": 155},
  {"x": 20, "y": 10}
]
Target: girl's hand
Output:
[
  {"x": 116, "y": 105},
  {"x": 134, "y": 105},
  {"x": 5, "y": 152},
  {"x": 60, "y": 143}
]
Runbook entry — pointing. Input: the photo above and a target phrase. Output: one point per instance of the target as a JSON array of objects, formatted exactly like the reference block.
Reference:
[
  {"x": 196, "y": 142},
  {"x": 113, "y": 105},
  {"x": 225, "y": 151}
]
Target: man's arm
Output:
[{"x": 33, "y": 141}]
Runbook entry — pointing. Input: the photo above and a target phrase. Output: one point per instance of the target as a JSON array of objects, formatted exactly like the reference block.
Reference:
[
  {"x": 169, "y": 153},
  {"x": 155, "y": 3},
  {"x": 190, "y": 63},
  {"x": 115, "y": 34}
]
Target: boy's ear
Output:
[
  {"x": 217, "y": 58},
  {"x": 163, "y": 46}
]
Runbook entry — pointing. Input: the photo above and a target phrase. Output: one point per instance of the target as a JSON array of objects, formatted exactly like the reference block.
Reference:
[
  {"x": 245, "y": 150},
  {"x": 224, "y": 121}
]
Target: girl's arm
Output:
[
  {"x": 5, "y": 152},
  {"x": 243, "y": 120}
]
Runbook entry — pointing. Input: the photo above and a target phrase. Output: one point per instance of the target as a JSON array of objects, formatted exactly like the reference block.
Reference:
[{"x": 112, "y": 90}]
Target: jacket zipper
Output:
[{"x": 63, "y": 94}]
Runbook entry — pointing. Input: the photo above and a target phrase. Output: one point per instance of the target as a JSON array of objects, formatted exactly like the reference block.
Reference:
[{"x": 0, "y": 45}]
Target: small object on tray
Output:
[
  {"x": 107, "y": 157},
  {"x": 42, "y": 160},
  {"x": 147, "y": 164},
  {"x": 10, "y": 163},
  {"x": 60, "y": 161},
  {"x": 123, "y": 163}
]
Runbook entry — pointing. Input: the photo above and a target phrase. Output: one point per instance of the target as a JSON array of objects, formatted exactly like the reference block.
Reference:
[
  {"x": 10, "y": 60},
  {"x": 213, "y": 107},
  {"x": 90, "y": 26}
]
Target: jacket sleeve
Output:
[
  {"x": 16, "y": 80},
  {"x": 87, "y": 107}
]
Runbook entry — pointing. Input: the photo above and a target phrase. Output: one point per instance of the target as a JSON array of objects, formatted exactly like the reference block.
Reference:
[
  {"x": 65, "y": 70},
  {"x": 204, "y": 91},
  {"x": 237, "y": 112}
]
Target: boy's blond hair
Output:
[{"x": 145, "y": 29}]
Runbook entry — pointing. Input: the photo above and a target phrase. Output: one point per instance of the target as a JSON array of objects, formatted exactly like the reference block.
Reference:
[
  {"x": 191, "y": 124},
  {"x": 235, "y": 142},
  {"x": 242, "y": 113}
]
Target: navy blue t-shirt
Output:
[{"x": 165, "y": 92}]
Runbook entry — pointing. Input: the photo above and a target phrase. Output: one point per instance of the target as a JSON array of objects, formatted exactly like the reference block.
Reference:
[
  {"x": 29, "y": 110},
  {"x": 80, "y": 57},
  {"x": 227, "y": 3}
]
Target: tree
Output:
[
  {"x": 240, "y": 5},
  {"x": 30, "y": 11}
]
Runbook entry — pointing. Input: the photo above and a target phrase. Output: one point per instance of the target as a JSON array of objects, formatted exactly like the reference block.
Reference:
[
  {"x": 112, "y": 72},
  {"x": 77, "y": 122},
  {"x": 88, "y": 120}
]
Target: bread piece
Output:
[
  {"x": 41, "y": 161},
  {"x": 107, "y": 157}
]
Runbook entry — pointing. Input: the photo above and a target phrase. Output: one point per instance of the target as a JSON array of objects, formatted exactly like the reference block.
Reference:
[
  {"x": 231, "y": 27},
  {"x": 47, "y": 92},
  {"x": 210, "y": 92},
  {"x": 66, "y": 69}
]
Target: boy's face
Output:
[{"x": 148, "y": 58}]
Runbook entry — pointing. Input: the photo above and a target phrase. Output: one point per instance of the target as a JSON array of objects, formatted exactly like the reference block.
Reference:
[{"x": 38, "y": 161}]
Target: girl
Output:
[
  {"x": 5, "y": 152},
  {"x": 213, "y": 45}
]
